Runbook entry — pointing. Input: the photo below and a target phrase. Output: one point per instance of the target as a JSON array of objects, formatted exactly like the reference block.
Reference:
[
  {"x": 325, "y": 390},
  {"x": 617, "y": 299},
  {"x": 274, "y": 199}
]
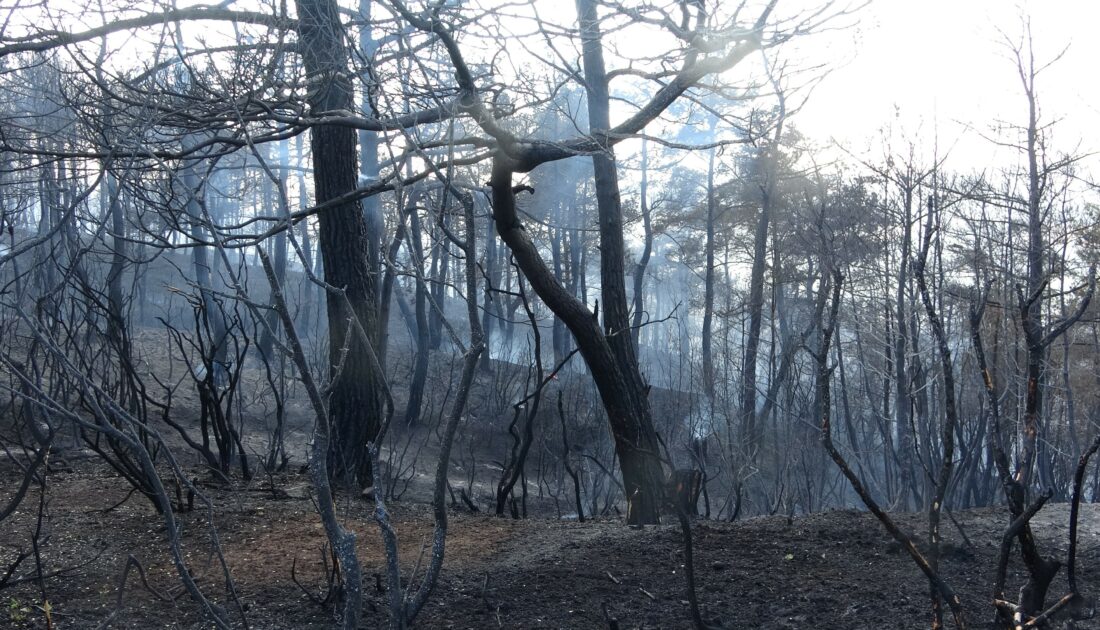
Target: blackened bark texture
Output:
[
  {"x": 354, "y": 402},
  {"x": 640, "y": 451},
  {"x": 1031, "y": 305},
  {"x": 1013, "y": 492},
  {"x": 1041, "y": 570},
  {"x": 1017, "y": 483}
]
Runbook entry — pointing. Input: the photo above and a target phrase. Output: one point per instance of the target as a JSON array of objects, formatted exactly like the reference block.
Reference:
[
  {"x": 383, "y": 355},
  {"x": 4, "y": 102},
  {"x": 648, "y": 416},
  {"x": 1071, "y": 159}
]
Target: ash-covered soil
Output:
[{"x": 831, "y": 570}]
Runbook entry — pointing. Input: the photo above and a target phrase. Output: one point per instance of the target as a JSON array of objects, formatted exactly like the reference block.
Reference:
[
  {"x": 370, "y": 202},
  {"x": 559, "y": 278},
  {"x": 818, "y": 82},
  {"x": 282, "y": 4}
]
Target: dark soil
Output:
[{"x": 831, "y": 570}]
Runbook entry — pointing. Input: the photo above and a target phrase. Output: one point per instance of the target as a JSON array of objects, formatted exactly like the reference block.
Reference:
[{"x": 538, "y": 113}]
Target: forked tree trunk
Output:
[
  {"x": 638, "y": 451},
  {"x": 623, "y": 394},
  {"x": 607, "y": 350}
]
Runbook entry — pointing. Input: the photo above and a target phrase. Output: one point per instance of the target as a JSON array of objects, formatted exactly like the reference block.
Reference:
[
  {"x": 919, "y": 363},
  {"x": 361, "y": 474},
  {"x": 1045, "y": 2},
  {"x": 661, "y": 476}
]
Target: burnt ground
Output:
[{"x": 829, "y": 570}]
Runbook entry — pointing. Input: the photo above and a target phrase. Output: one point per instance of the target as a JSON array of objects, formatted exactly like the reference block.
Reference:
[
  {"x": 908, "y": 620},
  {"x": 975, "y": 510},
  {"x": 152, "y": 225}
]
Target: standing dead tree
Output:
[
  {"x": 342, "y": 540},
  {"x": 1038, "y": 335},
  {"x": 709, "y": 49},
  {"x": 950, "y": 422},
  {"x": 823, "y": 405}
]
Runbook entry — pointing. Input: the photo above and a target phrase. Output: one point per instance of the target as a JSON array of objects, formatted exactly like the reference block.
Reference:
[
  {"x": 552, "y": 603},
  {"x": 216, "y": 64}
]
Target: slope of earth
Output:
[{"x": 834, "y": 570}]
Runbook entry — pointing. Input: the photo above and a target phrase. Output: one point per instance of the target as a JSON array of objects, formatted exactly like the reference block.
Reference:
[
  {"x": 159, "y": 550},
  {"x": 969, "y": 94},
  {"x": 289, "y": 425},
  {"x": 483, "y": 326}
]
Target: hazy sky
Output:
[{"x": 944, "y": 65}]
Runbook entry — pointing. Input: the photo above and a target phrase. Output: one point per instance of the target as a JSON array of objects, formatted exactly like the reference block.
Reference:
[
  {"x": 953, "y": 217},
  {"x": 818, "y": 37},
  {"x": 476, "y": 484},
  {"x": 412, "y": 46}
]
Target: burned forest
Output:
[{"x": 549, "y": 314}]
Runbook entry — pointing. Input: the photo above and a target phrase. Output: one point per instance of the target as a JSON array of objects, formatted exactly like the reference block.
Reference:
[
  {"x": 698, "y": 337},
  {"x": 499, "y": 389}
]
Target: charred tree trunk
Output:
[
  {"x": 354, "y": 404},
  {"x": 623, "y": 394},
  {"x": 756, "y": 285},
  {"x": 647, "y": 249},
  {"x": 708, "y": 284},
  {"x": 194, "y": 191},
  {"x": 637, "y": 447},
  {"x": 420, "y": 364},
  {"x": 608, "y": 349},
  {"x": 267, "y": 337},
  {"x": 441, "y": 263},
  {"x": 903, "y": 399}
]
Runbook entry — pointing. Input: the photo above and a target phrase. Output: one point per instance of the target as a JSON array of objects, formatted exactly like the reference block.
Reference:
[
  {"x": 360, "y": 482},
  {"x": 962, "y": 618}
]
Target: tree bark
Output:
[
  {"x": 640, "y": 451},
  {"x": 756, "y": 285},
  {"x": 267, "y": 336},
  {"x": 903, "y": 400},
  {"x": 623, "y": 396},
  {"x": 609, "y": 351},
  {"x": 420, "y": 363},
  {"x": 195, "y": 190},
  {"x": 708, "y": 283},
  {"x": 354, "y": 403},
  {"x": 647, "y": 249}
]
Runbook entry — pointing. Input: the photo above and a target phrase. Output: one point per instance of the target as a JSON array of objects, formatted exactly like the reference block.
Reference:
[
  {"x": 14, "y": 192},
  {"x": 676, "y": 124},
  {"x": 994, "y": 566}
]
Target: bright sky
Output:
[{"x": 944, "y": 65}]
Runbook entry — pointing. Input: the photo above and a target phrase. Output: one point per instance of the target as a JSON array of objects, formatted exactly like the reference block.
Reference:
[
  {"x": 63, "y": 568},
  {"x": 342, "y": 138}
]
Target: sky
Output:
[{"x": 940, "y": 70}]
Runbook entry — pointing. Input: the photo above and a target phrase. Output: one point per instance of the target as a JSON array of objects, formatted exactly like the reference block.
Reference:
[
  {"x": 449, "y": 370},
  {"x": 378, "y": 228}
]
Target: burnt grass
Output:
[{"x": 834, "y": 569}]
